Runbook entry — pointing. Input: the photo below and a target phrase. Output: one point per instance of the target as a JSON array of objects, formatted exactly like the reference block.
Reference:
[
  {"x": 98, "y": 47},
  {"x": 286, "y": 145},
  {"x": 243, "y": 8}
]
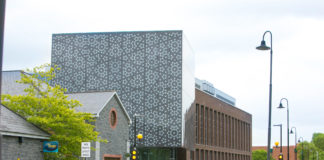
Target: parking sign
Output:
[{"x": 85, "y": 149}]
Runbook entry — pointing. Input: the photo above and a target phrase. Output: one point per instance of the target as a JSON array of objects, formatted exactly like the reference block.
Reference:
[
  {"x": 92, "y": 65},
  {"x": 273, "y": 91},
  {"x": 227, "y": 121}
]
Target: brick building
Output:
[
  {"x": 219, "y": 130},
  {"x": 276, "y": 151}
]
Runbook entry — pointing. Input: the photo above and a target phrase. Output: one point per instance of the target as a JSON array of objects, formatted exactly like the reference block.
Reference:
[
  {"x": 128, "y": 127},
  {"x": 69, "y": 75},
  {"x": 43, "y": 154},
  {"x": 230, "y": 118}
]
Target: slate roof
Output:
[
  {"x": 94, "y": 102},
  {"x": 13, "y": 124},
  {"x": 9, "y": 85}
]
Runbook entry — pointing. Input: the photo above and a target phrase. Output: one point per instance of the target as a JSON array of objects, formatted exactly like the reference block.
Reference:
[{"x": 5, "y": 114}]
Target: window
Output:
[
  {"x": 197, "y": 123},
  {"x": 201, "y": 124},
  {"x": 206, "y": 125},
  {"x": 113, "y": 118}
]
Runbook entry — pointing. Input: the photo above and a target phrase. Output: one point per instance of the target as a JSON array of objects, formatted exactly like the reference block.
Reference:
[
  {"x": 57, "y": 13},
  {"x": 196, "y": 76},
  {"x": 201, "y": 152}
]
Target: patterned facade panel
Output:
[{"x": 145, "y": 68}]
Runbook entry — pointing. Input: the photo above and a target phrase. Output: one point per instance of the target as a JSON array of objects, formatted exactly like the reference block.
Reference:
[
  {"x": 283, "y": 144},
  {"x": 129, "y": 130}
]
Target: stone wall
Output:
[
  {"x": 29, "y": 149},
  {"x": 117, "y": 137}
]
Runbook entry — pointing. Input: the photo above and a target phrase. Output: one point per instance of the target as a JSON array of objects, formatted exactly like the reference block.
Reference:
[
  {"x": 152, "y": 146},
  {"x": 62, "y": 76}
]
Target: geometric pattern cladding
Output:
[{"x": 145, "y": 68}]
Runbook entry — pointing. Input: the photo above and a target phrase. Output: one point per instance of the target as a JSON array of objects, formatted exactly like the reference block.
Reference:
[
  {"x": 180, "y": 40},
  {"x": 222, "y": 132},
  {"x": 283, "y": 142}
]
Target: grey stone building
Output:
[
  {"x": 19, "y": 138},
  {"x": 112, "y": 122},
  {"x": 152, "y": 72}
]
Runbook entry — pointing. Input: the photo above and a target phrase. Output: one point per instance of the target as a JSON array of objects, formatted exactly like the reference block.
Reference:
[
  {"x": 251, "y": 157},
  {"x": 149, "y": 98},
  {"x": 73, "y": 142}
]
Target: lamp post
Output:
[
  {"x": 302, "y": 151},
  {"x": 281, "y": 106},
  {"x": 280, "y": 125},
  {"x": 291, "y": 132},
  {"x": 263, "y": 46}
]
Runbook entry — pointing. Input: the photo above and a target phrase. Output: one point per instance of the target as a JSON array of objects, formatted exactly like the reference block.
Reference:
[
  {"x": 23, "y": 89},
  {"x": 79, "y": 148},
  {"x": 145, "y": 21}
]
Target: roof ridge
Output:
[
  {"x": 91, "y": 92},
  {"x": 14, "y": 70}
]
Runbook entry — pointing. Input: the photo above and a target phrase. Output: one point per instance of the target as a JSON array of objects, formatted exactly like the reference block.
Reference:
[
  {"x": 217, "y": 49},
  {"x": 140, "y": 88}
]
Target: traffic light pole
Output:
[
  {"x": 140, "y": 136},
  {"x": 280, "y": 125},
  {"x": 135, "y": 131}
]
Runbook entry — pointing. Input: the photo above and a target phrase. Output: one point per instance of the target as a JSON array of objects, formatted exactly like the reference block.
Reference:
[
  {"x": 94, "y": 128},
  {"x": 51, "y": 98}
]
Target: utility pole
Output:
[{"x": 2, "y": 22}]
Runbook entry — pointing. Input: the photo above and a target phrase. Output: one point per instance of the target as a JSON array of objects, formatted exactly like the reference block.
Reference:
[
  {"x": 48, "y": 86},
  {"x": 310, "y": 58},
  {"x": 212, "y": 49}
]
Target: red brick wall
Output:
[
  {"x": 276, "y": 151},
  {"x": 222, "y": 131}
]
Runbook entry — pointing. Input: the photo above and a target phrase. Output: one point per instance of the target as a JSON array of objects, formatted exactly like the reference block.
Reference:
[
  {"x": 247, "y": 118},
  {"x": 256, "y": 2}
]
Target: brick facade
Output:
[
  {"x": 276, "y": 151},
  {"x": 220, "y": 131}
]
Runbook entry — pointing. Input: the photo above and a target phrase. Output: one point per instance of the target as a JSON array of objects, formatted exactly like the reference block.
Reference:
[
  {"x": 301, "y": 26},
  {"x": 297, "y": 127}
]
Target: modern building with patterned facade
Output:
[
  {"x": 220, "y": 131},
  {"x": 152, "y": 72}
]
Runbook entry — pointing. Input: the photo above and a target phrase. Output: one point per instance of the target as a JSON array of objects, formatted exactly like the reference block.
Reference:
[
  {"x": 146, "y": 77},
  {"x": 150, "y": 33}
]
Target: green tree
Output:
[
  {"x": 318, "y": 140},
  {"x": 260, "y": 155},
  {"x": 308, "y": 151},
  {"x": 48, "y": 108}
]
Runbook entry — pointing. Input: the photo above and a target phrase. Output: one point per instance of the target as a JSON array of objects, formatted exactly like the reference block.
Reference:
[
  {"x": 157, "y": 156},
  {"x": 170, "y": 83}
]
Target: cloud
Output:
[{"x": 223, "y": 34}]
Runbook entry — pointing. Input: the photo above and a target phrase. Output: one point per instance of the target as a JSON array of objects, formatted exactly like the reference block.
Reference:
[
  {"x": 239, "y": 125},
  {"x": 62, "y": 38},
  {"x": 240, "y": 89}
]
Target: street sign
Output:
[{"x": 85, "y": 149}]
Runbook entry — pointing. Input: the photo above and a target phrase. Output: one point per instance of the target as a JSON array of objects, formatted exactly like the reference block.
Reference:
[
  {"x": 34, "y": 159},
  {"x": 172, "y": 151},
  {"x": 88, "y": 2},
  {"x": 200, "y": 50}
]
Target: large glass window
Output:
[{"x": 157, "y": 154}]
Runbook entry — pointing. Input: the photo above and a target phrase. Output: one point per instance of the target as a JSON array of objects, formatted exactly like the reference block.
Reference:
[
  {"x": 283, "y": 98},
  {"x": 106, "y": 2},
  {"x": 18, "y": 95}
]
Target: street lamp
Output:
[
  {"x": 280, "y": 125},
  {"x": 263, "y": 46},
  {"x": 302, "y": 151},
  {"x": 280, "y": 107},
  {"x": 291, "y": 132}
]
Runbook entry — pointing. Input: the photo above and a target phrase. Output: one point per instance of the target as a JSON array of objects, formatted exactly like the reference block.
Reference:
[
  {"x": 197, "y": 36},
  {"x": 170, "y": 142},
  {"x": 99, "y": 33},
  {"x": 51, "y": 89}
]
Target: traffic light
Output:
[
  {"x": 280, "y": 156},
  {"x": 134, "y": 154}
]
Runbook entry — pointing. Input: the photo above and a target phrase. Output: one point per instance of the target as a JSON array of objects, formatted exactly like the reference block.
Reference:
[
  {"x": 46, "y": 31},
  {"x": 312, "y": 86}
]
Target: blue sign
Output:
[{"x": 50, "y": 146}]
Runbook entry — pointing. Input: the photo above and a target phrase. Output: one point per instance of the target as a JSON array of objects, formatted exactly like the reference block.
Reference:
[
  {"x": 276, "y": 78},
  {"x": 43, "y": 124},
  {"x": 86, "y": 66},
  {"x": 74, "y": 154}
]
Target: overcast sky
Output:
[{"x": 223, "y": 35}]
